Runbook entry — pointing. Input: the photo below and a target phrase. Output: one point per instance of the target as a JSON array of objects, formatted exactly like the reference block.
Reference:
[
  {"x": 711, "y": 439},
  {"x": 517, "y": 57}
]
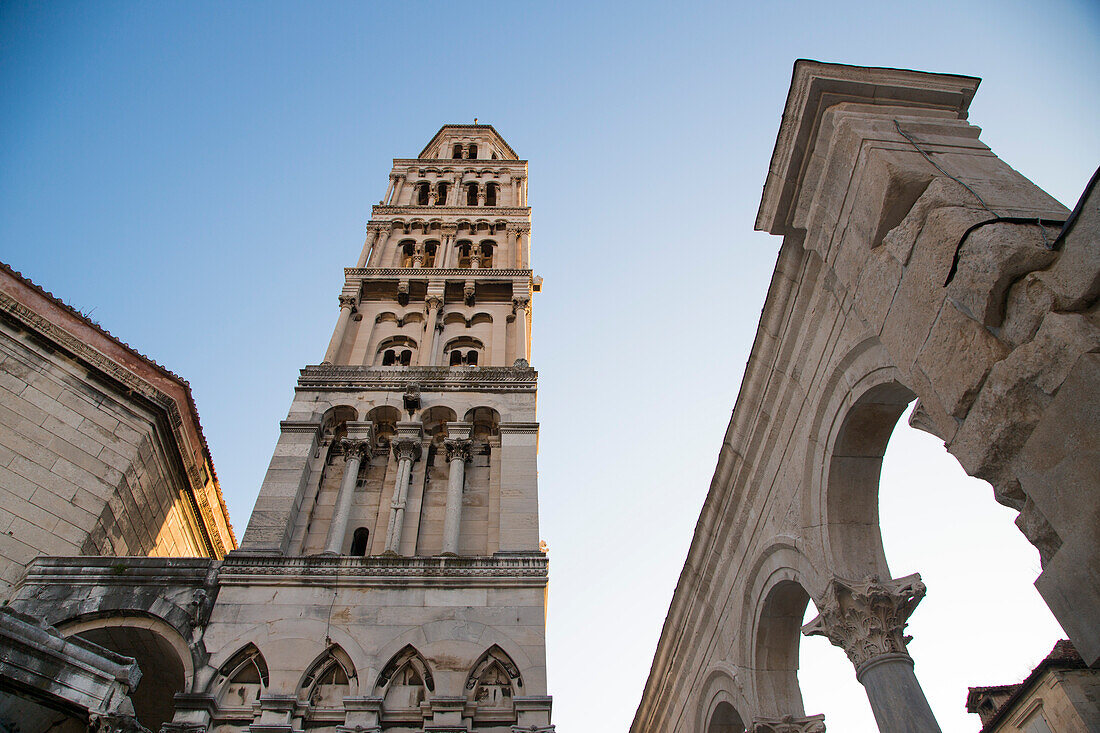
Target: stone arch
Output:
[
  {"x": 385, "y": 419},
  {"x": 162, "y": 654},
  {"x": 774, "y": 604},
  {"x": 721, "y": 705},
  {"x": 329, "y": 679},
  {"x": 435, "y": 420},
  {"x": 486, "y": 421}
]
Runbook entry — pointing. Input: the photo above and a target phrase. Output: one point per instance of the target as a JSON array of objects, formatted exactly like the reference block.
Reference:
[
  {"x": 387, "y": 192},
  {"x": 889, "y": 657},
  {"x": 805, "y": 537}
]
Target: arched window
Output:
[
  {"x": 473, "y": 150},
  {"x": 242, "y": 678},
  {"x": 359, "y": 542},
  {"x": 456, "y": 151},
  {"x": 395, "y": 350},
  {"x": 490, "y": 194},
  {"x": 471, "y": 357},
  {"x": 408, "y": 251},
  {"x": 422, "y": 193},
  {"x": 389, "y": 357},
  {"x": 441, "y": 193},
  {"x": 406, "y": 357},
  {"x": 463, "y": 351},
  {"x": 471, "y": 194},
  {"x": 464, "y": 255},
  {"x": 330, "y": 679},
  {"x": 486, "y": 254},
  {"x": 404, "y": 682},
  {"x": 430, "y": 249}
]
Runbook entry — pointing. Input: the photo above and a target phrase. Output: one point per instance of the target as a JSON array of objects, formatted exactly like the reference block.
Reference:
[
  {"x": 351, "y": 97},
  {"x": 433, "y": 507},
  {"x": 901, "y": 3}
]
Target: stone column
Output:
[
  {"x": 389, "y": 189},
  {"x": 372, "y": 237},
  {"x": 347, "y": 307},
  {"x": 520, "y": 306},
  {"x": 427, "y": 342},
  {"x": 398, "y": 188},
  {"x": 789, "y": 724},
  {"x": 406, "y": 449},
  {"x": 458, "y": 452},
  {"x": 867, "y": 619},
  {"x": 481, "y": 193},
  {"x": 523, "y": 244},
  {"x": 355, "y": 449},
  {"x": 380, "y": 246}
]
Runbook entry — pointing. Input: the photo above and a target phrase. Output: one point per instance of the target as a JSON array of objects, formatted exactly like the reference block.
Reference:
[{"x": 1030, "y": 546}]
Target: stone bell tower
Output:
[{"x": 391, "y": 576}]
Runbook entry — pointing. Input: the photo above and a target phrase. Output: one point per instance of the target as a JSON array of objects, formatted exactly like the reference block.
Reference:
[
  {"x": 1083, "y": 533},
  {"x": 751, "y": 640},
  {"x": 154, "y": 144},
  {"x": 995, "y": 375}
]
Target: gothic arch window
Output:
[
  {"x": 242, "y": 679},
  {"x": 471, "y": 194},
  {"x": 329, "y": 680},
  {"x": 422, "y": 193},
  {"x": 491, "y": 194},
  {"x": 404, "y": 682},
  {"x": 493, "y": 682},
  {"x": 359, "y": 542}
]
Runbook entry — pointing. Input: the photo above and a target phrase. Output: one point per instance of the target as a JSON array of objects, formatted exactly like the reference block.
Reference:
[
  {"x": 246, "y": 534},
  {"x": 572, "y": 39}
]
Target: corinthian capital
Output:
[
  {"x": 348, "y": 301},
  {"x": 406, "y": 449},
  {"x": 519, "y": 304},
  {"x": 789, "y": 724},
  {"x": 352, "y": 448},
  {"x": 457, "y": 449},
  {"x": 867, "y": 618}
]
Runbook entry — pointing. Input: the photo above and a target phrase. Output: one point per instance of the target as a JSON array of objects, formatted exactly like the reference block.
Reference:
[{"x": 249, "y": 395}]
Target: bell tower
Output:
[{"x": 391, "y": 572}]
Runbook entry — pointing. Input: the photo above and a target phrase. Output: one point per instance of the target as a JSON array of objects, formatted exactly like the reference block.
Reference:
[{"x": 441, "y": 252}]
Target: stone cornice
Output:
[
  {"x": 449, "y": 213},
  {"x": 374, "y": 570},
  {"x": 429, "y": 379},
  {"x": 84, "y": 570},
  {"x": 423, "y": 273},
  {"x": 456, "y": 164}
]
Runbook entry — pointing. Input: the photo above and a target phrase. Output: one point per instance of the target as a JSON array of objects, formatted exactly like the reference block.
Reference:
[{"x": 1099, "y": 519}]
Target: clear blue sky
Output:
[{"x": 197, "y": 174}]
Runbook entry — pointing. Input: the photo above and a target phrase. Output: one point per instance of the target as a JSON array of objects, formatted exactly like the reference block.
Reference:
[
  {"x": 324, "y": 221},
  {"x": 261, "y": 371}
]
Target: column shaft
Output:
[
  {"x": 459, "y": 452},
  {"x": 397, "y": 507},
  {"x": 341, "y": 513},
  {"x": 347, "y": 305},
  {"x": 896, "y": 697}
]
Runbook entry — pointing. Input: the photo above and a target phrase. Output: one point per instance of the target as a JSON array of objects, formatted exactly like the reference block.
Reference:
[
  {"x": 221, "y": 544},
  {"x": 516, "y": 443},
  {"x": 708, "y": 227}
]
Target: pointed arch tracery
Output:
[
  {"x": 242, "y": 679},
  {"x": 330, "y": 679},
  {"x": 494, "y": 680},
  {"x": 405, "y": 681}
]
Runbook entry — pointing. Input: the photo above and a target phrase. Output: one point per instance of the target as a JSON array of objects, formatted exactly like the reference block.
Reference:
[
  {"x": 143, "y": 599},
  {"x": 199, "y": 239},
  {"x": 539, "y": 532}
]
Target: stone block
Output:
[{"x": 956, "y": 358}]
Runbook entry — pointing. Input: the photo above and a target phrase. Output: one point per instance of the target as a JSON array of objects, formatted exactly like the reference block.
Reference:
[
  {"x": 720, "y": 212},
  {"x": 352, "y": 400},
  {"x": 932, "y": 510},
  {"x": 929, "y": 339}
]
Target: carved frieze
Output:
[{"x": 867, "y": 618}]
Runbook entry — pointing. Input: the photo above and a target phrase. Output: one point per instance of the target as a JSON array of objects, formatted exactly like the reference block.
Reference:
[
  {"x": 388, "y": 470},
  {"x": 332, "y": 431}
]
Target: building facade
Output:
[{"x": 390, "y": 577}]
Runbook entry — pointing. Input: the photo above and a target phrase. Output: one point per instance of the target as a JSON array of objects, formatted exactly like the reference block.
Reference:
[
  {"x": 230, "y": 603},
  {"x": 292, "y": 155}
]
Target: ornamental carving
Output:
[
  {"x": 355, "y": 448},
  {"x": 457, "y": 449},
  {"x": 519, "y": 304},
  {"x": 406, "y": 449},
  {"x": 789, "y": 724},
  {"x": 348, "y": 301},
  {"x": 434, "y": 302},
  {"x": 867, "y": 618}
]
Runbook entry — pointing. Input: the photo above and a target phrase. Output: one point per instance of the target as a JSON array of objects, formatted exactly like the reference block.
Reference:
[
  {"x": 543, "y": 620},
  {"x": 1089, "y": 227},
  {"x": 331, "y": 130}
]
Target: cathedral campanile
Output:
[{"x": 391, "y": 577}]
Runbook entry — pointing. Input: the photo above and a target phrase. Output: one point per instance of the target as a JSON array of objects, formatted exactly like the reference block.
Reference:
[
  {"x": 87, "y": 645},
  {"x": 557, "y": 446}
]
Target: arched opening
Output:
[
  {"x": 164, "y": 672},
  {"x": 778, "y": 637},
  {"x": 395, "y": 351},
  {"x": 406, "y": 251},
  {"x": 471, "y": 194},
  {"x": 430, "y": 250},
  {"x": 463, "y": 351},
  {"x": 456, "y": 151},
  {"x": 491, "y": 194},
  {"x": 360, "y": 542},
  {"x": 473, "y": 150},
  {"x": 435, "y": 420},
  {"x": 422, "y": 193},
  {"x": 725, "y": 720},
  {"x": 486, "y": 254},
  {"x": 464, "y": 249},
  {"x": 384, "y": 419},
  {"x": 494, "y": 681},
  {"x": 486, "y": 422},
  {"x": 441, "y": 193},
  {"x": 241, "y": 680}
]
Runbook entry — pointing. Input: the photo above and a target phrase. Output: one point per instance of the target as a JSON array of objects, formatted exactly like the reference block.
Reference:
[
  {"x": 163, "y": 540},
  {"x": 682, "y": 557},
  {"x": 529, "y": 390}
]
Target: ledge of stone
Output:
[{"x": 428, "y": 378}]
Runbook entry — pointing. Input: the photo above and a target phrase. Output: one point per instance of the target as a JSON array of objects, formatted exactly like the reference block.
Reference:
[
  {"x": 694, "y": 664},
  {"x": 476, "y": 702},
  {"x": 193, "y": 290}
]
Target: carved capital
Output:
[
  {"x": 406, "y": 449},
  {"x": 520, "y": 304},
  {"x": 867, "y": 618},
  {"x": 352, "y": 448},
  {"x": 434, "y": 302},
  {"x": 789, "y": 724},
  {"x": 533, "y": 729},
  {"x": 457, "y": 449},
  {"x": 348, "y": 301}
]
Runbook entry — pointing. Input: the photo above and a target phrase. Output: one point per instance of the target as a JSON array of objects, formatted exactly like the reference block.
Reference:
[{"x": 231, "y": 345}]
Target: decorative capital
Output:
[
  {"x": 434, "y": 302},
  {"x": 867, "y": 618},
  {"x": 533, "y": 729},
  {"x": 519, "y": 304},
  {"x": 457, "y": 449},
  {"x": 352, "y": 448},
  {"x": 348, "y": 301},
  {"x": 789, "y": 724},
  {"x": 406, "y": 449}
]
